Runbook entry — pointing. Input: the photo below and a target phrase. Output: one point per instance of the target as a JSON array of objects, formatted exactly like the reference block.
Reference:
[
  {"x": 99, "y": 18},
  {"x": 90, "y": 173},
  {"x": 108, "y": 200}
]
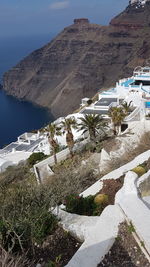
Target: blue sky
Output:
[{"x": 36, "y": 17}]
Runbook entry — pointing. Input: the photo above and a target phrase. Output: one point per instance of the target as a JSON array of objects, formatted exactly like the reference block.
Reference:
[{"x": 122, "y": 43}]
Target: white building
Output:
[
  {"x": 139, "y": 2},
  {"x": 21, "y": 150},
  {"x": 134, "y": 90},
  {"x": 29, "y": 143}
]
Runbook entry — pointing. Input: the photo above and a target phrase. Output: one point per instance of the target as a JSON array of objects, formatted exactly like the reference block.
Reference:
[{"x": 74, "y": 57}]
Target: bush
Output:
[
  {"x": 90, "y": 147},
  {"x": 82, "y": 206},
  {"x": 9, "y": 260},
  {"x": 36, "y": 157},
  {"x": 24, "y": 216},
  {"x": 98, "y": 147},
  {"x": 139, "y": 170},
  {"x": 17, "y": 174},
  {"x": 15, "y": 237},
  {"x": 44, "y": 226},
  {"x": 89, "y": 102}
]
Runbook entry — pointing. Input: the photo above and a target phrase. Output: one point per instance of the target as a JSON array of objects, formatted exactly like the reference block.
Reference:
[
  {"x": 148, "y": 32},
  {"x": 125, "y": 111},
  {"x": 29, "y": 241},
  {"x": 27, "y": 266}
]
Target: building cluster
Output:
[
  {"x": 29, "y": 143},
  {"x": 134, "y": 91},
  {"x": 139, "y": 2}
]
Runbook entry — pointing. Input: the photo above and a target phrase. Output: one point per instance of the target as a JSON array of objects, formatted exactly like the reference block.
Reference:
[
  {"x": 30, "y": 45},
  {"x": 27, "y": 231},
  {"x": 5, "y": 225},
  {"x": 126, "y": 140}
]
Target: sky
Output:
[{"x": 36, "y": 17}]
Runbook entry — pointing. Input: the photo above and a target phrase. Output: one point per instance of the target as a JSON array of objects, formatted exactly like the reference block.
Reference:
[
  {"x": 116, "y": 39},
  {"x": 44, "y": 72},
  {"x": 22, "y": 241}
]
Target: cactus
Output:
[
  {"x": 139, "y": 170},
  {"x": 101, "y": 199}
]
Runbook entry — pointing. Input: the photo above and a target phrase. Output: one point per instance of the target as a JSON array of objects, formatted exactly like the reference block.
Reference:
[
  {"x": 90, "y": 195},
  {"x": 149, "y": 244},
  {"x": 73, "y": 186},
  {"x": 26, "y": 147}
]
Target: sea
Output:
[{"x": 17, "y": 117}]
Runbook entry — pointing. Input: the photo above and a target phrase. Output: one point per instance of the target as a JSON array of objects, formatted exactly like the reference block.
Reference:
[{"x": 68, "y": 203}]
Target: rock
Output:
[
  {"x": 84, "y": 162},
  {"x": 81, "y": 59}
]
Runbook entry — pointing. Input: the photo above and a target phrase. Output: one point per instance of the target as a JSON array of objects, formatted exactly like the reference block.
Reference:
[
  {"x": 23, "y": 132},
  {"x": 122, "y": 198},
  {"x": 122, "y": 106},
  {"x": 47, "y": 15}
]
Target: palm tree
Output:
[
  {"x": 126, "y": 106},
  {"x": 53, "y": 130},
  {"x": 67, "y": 126},
  {"x": 92, "y": 123},
  {"x": 117, "y": 115}
]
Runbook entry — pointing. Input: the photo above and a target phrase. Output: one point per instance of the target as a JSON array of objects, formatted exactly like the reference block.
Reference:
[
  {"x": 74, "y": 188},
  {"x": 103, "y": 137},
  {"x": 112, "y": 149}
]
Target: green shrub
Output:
[
  {"x": 14, "y": 174},
  {"x": 20, "y": 234},
  {"x": 44, "y": 226},
  {"x": 90, "y": 147},
  {"x": 89, "y": 102},
  {"x": 82, "y": 206},
  {"x": 36, "y": 157},
  {"x": 15, "y": 237},
  {"x": 131, "y": 228},
  {"x": 139, "y": 170},
  {"x": 99, "y": 147},
  {"x": 25, "y": 217}
]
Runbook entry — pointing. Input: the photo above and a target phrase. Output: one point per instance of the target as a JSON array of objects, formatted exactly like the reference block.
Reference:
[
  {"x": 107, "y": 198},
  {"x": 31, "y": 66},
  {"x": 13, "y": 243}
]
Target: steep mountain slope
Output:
[{"x": 83, "y": 58}]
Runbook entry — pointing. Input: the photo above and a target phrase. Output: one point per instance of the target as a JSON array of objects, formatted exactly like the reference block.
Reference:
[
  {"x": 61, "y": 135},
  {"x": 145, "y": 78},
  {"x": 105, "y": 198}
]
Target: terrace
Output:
[
  {"x": 106, "y": 102},
  {"x": 25, "y": 145},
  {"x": 102, "y": 106}
]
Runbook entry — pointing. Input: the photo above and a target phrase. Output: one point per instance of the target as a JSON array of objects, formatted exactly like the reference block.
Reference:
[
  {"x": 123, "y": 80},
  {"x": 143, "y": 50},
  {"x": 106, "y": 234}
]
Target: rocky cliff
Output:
[{"x": 82, "y": 59}]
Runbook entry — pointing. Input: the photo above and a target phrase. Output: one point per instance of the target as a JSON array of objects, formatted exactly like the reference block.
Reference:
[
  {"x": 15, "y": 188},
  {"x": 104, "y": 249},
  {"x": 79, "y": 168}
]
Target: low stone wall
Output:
[
  {"x": 98, "y": 239},
  {"x": 135, "y": 209},
  {"x": 92, "y": 190},
  {"x": 78, "y": 225},
  {"x": 98, "y": 233}
]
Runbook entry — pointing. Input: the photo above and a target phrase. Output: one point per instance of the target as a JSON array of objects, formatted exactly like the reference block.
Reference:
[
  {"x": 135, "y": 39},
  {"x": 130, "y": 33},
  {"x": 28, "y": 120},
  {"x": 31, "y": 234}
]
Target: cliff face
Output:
[{"x": 82, "y": 59}]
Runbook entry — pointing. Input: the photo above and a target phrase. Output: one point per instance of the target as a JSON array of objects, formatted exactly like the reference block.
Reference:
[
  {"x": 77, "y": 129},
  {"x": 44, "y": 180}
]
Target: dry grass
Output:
[
  {"x": 7, "y": 260},
  {"x": 70, "y": 179},
  {"x": 16, "y": 174}
]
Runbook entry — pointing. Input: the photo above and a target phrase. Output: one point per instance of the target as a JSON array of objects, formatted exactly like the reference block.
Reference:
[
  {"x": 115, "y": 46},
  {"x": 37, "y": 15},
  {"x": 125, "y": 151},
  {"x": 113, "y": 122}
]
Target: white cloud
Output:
[{"x": 59, "y": 5}]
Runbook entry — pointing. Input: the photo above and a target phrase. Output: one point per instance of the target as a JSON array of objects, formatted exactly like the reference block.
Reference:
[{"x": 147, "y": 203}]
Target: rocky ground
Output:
[
  {"x": 125, "y": 252},
  {"x": 111, "y": 187},
  {"x": 57, "y": 250}
]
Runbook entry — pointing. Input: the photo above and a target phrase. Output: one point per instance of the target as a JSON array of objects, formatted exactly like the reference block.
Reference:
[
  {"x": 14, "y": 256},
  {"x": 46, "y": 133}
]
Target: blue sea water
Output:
[{"x": 17, "y": 117}]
